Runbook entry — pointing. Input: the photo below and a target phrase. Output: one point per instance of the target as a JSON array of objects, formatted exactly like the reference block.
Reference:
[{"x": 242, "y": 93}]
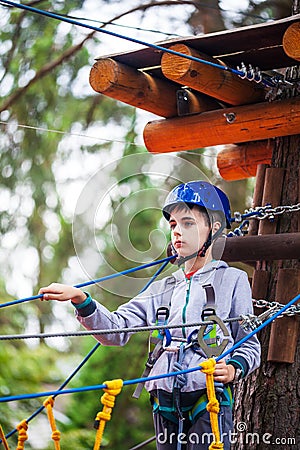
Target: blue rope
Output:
[
  {"x": 98, "y": 280},
  {"x": 87, "y": 357},
  {"x": 159, "y": 270},
  {"x": 41, "y": 408},
  {"x": 136, "y": 41},
  {"x": 156, "y": 377}
]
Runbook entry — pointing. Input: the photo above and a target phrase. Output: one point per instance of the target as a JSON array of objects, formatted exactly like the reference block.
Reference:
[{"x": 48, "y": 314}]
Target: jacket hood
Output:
[{"x": 204, "y": 273}]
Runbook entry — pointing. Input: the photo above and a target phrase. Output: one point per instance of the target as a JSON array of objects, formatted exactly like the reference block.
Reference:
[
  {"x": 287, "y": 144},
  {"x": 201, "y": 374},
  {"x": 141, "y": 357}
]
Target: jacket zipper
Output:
[{"x": 187, "y": 298}]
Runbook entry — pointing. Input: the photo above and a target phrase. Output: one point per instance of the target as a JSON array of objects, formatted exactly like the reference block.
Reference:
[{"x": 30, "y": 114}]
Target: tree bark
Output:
[{"x": 267, "y": 403}]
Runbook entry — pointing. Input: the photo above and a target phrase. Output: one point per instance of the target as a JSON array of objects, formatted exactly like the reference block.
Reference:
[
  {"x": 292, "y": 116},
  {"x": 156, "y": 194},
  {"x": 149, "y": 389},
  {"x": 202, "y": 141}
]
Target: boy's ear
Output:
[{"x": 216, "y": 226}]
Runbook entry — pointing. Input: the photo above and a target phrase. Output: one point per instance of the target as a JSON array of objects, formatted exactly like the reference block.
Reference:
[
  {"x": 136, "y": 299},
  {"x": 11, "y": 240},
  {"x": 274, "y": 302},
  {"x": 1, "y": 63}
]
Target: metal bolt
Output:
[{"x": 230, "y": 117}]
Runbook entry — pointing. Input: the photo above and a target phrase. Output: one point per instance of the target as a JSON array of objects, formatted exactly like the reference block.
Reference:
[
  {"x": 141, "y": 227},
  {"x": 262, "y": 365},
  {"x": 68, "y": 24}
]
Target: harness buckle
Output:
[
  {"x": 162, "y": 311},
  {"x": 207, "y": 312}
]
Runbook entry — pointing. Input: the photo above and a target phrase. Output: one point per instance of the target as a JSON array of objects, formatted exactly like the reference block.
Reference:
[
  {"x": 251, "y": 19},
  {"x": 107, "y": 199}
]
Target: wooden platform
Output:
[
  {"x": 199, "y": 104},
  {"x": 259, "y": 45}
]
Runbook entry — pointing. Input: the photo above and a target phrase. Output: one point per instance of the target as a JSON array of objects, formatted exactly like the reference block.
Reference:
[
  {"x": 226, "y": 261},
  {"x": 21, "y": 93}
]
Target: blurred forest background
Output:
[{"x": 80, "y": 198}]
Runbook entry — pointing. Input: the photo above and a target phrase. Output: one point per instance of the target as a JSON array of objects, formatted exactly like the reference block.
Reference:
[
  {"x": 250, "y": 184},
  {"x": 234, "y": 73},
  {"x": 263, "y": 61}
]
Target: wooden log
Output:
[
  {"x": 284, "y": 331},
  {"x": 291, "y": 41},
  {"x": 271, "y": 195},
  {"x": 238, "y": 124},
  {"x": 141, "y": 90},
  {"x": 223, "y": 85},
  {"x": 257, "y": 196},
  {"x": 238, "y": 162},
  {"x": 268, "y": 247},
  {"x": 259, "y": 287},
  {"x": 260, "y": 282},
  {"x": 298, "y": 199}
]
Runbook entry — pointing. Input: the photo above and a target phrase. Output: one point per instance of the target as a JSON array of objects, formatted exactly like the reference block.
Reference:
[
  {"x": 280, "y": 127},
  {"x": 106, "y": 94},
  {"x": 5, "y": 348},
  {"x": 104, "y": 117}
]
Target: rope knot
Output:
[
  {"x": 23, "y": 436},
  {"x": 112, "y": 389},
  {"x": 49, "y": 402},
  {"x": 216, "y": 446},
  {"x": 208, "y": 366},
  {"x": 22, "y": 428},
  {"x": 213, "y": 406},
  {"x": 55, "y": 435},
  {"x": 104, "y": 416},
  {"x": 108, "y": 400}
]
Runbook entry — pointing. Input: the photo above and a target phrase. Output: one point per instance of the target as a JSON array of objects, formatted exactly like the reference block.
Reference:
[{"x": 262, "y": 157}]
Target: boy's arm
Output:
[{"x": 94, "y": 316}]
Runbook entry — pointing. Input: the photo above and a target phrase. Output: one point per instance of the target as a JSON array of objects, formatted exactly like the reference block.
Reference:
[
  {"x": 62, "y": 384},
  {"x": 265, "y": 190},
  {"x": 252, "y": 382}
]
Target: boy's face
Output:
[{"x": 189, "y": 230}]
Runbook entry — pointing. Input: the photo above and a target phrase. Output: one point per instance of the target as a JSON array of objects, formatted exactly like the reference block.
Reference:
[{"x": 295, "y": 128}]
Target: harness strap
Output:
[
  {"x": 153, "y": 357},
  {"x": 210, "y": 306},
  {"x": 209, "y": 314},
  {"x": 156, "y": 338}
]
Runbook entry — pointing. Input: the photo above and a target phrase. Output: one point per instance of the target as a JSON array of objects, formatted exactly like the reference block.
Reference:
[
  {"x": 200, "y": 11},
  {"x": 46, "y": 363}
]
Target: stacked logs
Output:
[{"x": 202, "y": 106}]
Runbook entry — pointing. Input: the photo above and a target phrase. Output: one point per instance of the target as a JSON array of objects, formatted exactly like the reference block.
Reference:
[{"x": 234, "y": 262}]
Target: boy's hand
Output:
[
  {"x": 224, "y": 373},
  {"x": 62, "y": 293}
]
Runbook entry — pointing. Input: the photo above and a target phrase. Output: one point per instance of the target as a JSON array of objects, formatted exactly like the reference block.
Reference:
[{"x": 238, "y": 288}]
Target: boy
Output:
[{"x": 197, "y": 213}]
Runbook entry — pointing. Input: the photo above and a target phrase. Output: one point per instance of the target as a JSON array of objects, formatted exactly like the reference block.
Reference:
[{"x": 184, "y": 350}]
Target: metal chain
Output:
[
  {"x": 265, "y": 212},
  {"x": 291, "y": 311},
  {"x": 251, "y": 322}
]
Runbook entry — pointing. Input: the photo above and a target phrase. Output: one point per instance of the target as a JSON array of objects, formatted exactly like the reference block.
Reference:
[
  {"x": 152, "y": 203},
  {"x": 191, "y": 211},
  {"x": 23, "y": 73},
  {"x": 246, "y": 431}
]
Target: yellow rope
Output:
[
  {"x": 23, "y": 436},
  {"x": 49, "y": 403},
  {"x": 213, "y": 407},
  {"x": 114, "y": 388},
  {"x": 3, "y": 439}
]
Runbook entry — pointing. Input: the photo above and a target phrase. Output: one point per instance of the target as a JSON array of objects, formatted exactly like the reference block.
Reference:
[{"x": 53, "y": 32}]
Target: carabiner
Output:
[{"x": 218, "y": 349}]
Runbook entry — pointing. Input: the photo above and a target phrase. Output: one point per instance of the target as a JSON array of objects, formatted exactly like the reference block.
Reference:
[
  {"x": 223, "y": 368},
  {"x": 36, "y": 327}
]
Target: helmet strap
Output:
[{"x": 211, "y": 237}]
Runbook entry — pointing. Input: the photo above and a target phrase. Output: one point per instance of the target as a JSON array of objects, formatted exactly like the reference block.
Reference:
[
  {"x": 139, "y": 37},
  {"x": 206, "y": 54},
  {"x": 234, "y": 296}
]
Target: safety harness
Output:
[
  {"x": 204, "y": 340},
  {"x": 157, "y": 338}
]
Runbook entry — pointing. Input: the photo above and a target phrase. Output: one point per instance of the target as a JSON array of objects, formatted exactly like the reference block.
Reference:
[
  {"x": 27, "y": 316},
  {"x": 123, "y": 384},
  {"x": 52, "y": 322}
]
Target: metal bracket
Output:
[{"x": 209, "y": 350}]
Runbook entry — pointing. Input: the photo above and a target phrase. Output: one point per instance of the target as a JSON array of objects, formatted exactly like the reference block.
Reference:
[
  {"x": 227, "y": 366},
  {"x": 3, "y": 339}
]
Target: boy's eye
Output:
[{"x": 188, "y": 224}]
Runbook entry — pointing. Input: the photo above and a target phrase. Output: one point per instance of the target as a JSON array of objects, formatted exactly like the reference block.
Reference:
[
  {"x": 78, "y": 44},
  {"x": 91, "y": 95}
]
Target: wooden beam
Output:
[
  {"x": 284, "y": 331},
  {"x": 223, "y": 85},
  {"x": 227, "y": 126},
  {"x": 238, "y": 162},
  {"x": 271, "y": 196},
  {"x": 291, "y": 41},
  {"x": 141, "y": 90},
  {"x": 259, "y": 286},
  {"x": 266, "y": 247},
  {"x": 257, "y": 196}
]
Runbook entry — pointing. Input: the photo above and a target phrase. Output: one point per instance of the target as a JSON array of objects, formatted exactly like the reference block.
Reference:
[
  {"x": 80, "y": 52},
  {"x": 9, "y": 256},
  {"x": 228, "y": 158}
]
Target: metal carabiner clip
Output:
[{"x": 217, "y": 350}]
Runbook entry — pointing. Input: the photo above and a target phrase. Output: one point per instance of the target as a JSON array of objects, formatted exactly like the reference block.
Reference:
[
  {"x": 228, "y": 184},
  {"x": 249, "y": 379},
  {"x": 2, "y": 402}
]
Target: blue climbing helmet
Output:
[{"x": 199, "y": 193}]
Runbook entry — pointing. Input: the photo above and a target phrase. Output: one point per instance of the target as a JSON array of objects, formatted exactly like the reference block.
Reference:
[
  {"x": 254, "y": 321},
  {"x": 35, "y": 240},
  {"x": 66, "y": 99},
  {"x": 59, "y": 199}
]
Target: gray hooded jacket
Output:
[{"x": 233, "y": 298}]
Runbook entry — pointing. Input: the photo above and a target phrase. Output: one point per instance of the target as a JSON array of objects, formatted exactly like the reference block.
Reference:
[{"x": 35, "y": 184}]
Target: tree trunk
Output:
[{"x": 267, "y": 404}]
